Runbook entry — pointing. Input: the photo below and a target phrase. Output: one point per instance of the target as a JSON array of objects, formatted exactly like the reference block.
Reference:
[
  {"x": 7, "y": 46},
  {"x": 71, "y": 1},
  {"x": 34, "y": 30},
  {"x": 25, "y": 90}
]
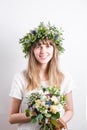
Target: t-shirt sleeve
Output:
[
  {"x": 16, "y": 90},
  {"x": 68, "y": 84}
]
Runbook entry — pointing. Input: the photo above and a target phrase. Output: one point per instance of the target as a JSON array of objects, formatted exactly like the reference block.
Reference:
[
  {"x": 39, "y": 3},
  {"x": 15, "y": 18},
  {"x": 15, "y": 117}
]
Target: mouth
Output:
[{"x": 43, "y": 56}]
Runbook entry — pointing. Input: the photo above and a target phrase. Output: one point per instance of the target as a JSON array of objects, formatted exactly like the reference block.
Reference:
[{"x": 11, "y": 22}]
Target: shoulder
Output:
[
  {"x": 68, "y": 82},
  {"x": 19, "y": 79},
  {"x": 18, "y": 85},
  {"x": 20, "y": 75}
]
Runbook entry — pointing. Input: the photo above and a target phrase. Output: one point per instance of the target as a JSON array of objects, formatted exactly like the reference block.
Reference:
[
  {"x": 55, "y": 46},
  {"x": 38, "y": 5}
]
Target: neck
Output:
[{"x": 43, "y": 73}]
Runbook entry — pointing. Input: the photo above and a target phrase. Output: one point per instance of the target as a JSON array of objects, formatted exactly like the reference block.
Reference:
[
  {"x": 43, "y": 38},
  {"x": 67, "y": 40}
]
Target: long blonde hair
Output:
[{"x": 55, "y": 76}]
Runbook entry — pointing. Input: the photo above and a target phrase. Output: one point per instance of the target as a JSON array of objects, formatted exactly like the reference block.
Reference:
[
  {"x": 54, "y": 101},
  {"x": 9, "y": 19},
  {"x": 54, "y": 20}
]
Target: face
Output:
[{"x": 43, "y": 53}]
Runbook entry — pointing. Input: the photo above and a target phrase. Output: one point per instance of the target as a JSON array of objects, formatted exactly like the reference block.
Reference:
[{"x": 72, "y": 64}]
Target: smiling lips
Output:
[{"x": 43, "y": 56}]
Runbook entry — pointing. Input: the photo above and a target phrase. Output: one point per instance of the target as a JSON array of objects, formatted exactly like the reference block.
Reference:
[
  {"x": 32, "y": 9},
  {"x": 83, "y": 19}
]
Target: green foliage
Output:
[
  {"x": 63, "y": 99},
  {"x": 31, "y": 100},
  {"x": 56, "y": 116},
  {"x": 54, "y": 90},
  {"x": 27, "y": 112},
  {"x": 40, "y": 33},
  {"x": 40, "y": 117},
  {"x": 34, "y": 119}
]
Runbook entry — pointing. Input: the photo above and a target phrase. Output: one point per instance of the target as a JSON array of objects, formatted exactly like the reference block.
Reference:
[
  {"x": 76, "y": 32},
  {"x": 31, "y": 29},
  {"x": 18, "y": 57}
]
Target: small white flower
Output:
[
  {"x": 54, "y": 99},
  {"x": 60, "y": 107}
]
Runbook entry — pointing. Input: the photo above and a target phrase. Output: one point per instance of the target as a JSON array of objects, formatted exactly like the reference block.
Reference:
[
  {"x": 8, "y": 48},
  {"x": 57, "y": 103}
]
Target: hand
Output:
[{"x": 61, "y": 124}]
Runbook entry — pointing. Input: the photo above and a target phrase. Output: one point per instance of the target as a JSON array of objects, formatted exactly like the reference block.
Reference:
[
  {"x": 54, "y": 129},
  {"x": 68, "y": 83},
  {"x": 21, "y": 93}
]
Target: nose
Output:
[{"x": 43, "y": 49}]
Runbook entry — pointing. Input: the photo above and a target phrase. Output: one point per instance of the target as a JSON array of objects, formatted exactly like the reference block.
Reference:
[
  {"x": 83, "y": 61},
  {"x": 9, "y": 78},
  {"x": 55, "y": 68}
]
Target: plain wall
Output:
[{"x": 19, "y": 16}]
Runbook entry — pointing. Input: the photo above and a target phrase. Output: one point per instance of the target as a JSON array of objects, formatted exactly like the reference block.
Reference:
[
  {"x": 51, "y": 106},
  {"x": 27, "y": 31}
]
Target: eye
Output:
[{"x": 38, "y": 46}]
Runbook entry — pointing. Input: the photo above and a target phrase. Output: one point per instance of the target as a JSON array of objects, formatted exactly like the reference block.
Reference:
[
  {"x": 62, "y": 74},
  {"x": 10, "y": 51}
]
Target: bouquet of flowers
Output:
[{"x": 45, "y": 107}]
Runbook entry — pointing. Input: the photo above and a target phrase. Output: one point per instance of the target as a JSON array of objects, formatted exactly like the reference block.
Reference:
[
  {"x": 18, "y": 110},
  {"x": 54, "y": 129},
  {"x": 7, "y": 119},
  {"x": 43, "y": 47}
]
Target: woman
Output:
[{"x": 42, "y": 46}]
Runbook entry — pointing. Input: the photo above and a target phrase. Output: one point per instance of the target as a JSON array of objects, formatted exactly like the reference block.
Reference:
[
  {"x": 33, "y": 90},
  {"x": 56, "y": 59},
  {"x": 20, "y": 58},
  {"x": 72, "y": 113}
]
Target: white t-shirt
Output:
[{"x": 18, "y": 90}]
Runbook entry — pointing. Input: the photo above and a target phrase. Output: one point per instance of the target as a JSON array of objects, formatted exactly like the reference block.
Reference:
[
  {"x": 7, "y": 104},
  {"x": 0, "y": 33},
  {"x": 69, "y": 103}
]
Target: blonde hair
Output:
[{"x": 55, "y": 76}]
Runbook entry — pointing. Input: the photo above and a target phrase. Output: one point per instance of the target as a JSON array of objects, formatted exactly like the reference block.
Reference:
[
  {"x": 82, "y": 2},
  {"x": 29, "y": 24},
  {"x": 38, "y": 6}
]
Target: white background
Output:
[{"x": 19, "y": 16}]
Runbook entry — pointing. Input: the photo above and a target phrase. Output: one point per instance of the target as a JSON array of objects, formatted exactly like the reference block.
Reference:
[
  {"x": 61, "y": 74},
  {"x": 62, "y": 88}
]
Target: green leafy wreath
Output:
[{"x": 41, "y": 32}]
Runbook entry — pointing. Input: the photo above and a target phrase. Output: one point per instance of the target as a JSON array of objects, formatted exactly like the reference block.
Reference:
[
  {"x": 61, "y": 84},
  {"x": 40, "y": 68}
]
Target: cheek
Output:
[
  {"x": 51, "y": 52},
  {"x": 35, "y": 53}
]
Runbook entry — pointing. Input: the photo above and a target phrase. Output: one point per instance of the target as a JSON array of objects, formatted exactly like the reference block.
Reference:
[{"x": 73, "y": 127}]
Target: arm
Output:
[
  {"x": 68, "y": 108},
  {"x": 68, "y": 112},
  {"x": 14, "y": 115}
]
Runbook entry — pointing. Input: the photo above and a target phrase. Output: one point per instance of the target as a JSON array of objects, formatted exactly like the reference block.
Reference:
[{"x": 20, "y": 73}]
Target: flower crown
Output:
[{"x": 41, "y": 32}]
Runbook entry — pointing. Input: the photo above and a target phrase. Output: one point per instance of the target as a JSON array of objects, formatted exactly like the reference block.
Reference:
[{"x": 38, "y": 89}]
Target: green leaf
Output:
[
  {"x": 34, "y": 119},
  {"x": 56, "y": 116},
  {"x": 40, "y": 117},
  {"x": 54, "y": 122},
  {"x": 51, "y": 126},
  {"x": 27, "y": 112}
]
